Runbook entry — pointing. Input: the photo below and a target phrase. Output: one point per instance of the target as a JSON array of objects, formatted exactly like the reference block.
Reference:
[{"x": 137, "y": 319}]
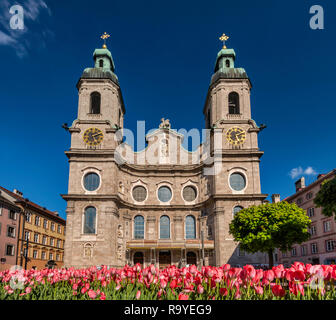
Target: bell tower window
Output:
[
  {"x": 227, "y": 63},
  {"x": 101, "y": 63},
  {"x": 234, "y": 103},
  {"x": 208, "y": 120},
  {"x": 95, "y": 103}
]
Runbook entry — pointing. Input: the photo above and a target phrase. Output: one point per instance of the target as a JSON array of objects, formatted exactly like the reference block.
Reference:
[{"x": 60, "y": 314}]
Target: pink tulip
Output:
[
  {"x": 138, "y": 295},
  {"x": 28, "y": 289},
  {"x": 200, "y": 289},
  {"x": 259, "y": 290},
  {"x": 92, "y": 294}
]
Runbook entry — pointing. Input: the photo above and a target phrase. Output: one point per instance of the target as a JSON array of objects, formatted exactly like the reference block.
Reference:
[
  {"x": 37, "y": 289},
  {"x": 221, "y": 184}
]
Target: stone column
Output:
[{"x": 68, "y": 254}]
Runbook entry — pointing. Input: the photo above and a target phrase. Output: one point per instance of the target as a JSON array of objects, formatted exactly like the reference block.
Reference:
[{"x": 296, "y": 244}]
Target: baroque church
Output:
[{"x": 162, "y": 205}]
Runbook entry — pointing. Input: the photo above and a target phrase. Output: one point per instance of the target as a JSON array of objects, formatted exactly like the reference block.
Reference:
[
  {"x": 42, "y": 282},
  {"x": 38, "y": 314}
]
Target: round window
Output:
[
  {"x": 139, "y": 193},
  {"x": 164, "y": 194},
  {"x": 189, "y": 193},
  {"x": 236, "y": 210},
  {"x": 91, "y": 181},
  {"x": 237, "y": 181}
]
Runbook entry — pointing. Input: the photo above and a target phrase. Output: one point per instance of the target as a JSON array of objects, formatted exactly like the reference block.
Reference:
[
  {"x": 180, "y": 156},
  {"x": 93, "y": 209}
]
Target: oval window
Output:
[
  {"x": 91, "y": 181},
  {"x": 164, "y": 194},
  {"x": 189, "y": 193},
  {"x": 139, "y": 193},
  {"x": 237, "y": 209},
  {"x": 237, "y": 181}
]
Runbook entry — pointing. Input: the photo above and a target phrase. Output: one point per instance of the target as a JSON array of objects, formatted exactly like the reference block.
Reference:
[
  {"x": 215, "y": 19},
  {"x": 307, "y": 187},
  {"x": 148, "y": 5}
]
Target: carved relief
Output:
[
  {"x": 164, "y": 147},
  {"x": 88, "y": 250}
]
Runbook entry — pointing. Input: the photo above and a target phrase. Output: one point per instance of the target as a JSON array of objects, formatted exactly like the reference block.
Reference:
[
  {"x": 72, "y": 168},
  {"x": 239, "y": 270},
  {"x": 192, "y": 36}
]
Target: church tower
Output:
[
  {"x": 91, "y": 194},
  {"x": 234, "y": 143}
]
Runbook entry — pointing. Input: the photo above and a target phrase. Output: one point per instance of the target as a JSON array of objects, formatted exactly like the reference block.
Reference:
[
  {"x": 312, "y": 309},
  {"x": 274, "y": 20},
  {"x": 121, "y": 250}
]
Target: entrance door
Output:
[
  {"x": 138, "y": 258},
  {"x": 164, "y": 259},
  {"x": 191, "y": 258}
]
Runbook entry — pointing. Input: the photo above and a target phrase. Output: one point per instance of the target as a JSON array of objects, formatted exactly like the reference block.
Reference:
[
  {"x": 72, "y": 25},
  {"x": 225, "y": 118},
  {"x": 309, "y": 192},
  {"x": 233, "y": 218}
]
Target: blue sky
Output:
[{"x": 164, "y": 53}]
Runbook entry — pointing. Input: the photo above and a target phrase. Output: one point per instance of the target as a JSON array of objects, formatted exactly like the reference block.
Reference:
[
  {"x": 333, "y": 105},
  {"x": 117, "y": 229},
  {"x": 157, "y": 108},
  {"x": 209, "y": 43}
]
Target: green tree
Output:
[
  {"x": 269, "y": 226},
  {"x": 326, "y": 198}
]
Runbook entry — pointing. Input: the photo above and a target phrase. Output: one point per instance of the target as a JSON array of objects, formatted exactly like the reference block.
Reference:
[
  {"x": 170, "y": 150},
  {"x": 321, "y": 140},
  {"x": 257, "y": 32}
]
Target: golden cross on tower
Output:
[
  {"x": 104, "y": 37},
  {"x": 223, "y": 38}
]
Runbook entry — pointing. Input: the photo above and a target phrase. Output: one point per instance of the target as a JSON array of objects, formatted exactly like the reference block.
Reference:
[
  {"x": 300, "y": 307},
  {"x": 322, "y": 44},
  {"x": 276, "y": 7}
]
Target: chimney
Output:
[
  {"x": 56, "y": 213},
  {"x": 275, "y": 198},
  {"x": 300, "y": 184},
  {"x": 320, "y": 175},
  {"x": 19, "y": 193}
]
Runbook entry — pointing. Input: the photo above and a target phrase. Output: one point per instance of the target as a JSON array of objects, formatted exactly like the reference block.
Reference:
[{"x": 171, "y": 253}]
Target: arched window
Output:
[
  {"x": 208, "y": 120},
  {"x": 227, "y": 63},
  {"x": 90, "y": 220},
  {"x": 95, "y": 103},
  {"x": 236, "y": 209},
  {"x": 234, "y": 103},
  {"x": 164, "y": 227},
  {"x": 139, "y": 223},
  {"x": 101, "y": 63},
  {"x": 190, "y": 227}
]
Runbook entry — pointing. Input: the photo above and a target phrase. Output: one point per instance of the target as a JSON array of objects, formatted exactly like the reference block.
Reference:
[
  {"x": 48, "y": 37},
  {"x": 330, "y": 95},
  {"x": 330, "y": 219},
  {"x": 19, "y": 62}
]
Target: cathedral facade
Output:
[{"x": 162, "y": 205}]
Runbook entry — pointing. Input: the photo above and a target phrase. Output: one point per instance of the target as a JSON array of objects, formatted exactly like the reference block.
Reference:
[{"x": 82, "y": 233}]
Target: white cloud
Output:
[
  {"x": 6, "y": 39},
  {"x": 310, "y": 171},
  {"x": 296, "y": 172},
  {"x": 22, "y": 40}
]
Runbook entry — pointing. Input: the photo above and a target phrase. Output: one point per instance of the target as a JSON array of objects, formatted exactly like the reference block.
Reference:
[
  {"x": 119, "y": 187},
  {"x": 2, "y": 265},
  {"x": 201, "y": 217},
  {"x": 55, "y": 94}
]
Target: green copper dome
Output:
[
  {"x": 103, "y": 66},
  {"x": 224, "y": 66}
]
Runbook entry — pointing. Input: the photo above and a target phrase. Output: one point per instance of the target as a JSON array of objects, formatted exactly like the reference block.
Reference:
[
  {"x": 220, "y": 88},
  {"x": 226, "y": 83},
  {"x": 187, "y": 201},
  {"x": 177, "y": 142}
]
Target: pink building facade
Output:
[
  {"x": 321, "y": 247},
  {"x": 9, "y": 229}
]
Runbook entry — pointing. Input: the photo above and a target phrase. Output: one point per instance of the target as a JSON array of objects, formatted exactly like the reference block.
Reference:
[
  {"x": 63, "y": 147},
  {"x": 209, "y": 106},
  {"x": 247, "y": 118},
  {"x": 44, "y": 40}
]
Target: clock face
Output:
[
  {"x": 236, "y": 135},
  {"x": 93, "y": 136}
]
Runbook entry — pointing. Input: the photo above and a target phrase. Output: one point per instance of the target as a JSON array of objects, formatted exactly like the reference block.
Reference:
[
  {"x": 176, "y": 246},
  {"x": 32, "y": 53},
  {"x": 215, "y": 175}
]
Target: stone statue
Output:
[
  {"x": 165, "y": 124},
  {"x": 119, "y": 252},
  {"x": 120, "y": 231}
]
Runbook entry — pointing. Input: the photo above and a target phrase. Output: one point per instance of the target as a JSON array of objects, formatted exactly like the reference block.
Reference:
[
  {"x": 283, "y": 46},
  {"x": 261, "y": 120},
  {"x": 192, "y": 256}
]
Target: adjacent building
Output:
[
  {"x": 9, "y": 230},
  {"x": 40, "y": 233},
  {"x": 320, "y": 249},
  {"x": 159, "y": 206}
]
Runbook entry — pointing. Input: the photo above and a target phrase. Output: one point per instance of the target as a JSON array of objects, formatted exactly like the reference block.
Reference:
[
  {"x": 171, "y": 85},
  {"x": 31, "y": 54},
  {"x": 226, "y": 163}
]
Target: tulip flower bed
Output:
[{"x": 304, "y": 282}]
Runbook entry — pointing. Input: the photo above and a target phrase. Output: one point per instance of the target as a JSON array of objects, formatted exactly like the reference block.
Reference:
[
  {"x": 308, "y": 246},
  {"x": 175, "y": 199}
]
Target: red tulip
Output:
[
  {"x": 299, "y": 275},
  {"x": 183, "y": 296},
  {"x": 278, "y": 291},
  {"x": 223, "y": 292},
  {"x": 173, "y": 284}
]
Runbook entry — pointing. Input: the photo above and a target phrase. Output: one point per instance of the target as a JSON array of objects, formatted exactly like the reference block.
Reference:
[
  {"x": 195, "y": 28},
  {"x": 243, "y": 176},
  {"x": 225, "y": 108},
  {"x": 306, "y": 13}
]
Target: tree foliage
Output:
[
  {"x": 326, "y": 198},
  {"x": 269, "y": 226}
]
